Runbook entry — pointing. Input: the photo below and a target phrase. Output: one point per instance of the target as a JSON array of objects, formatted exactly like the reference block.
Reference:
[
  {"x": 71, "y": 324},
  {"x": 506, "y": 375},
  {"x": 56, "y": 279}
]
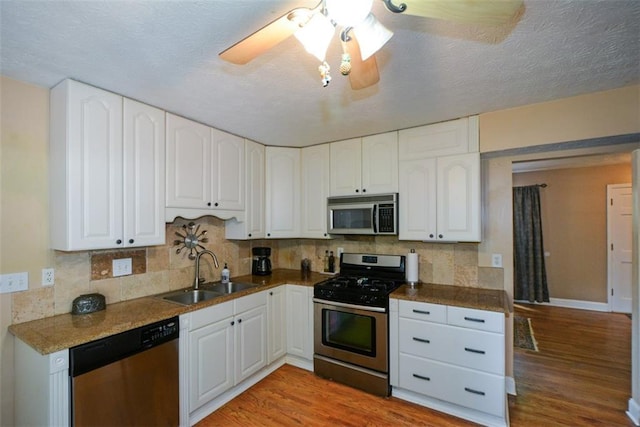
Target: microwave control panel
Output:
[{"x": 386, "y": 218}]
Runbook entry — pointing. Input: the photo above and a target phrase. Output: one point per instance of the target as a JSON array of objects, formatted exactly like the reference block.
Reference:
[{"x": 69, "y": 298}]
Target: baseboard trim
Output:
[
  {"x": 634, "y": 412},
  {"x": 572, "y": 303},
  {"x": 510, "y": 386}
]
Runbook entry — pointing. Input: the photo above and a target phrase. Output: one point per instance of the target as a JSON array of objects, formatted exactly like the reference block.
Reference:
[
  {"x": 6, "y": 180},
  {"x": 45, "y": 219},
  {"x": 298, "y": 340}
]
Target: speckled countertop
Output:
[
  {"x": 56, "y": 333},
  {"x": 461, "y": 296}
]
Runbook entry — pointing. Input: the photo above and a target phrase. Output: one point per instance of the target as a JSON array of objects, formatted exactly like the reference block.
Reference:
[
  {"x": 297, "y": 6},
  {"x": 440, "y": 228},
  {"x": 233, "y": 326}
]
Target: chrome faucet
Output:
[{"x": 196, "y": 280}]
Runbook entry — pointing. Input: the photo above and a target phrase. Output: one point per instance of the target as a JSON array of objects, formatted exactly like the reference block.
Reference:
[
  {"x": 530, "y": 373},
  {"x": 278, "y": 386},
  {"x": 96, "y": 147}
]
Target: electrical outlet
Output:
[
  {"x": 496, "y": 260},
  {"x": 339, "y": 252},
  {"x": 121, "y": 267},
  {"x": 14, "y": 282},
  {"x": 48, "y": 277}
]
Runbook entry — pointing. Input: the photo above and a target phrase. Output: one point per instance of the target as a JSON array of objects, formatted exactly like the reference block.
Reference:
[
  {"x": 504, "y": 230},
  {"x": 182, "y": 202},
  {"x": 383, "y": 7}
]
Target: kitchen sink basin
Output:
[
  {"x": 190, "y": 296},
  {"x": 229, "y": 288}
]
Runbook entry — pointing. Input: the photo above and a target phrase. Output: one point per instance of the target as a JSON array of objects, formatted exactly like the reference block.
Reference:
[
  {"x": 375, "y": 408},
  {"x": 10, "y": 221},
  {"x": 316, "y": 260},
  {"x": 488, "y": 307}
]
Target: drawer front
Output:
[
  {"x": 209, "y": 315},
  {"x": 423, "y": 311},
  {"x": 490, "y": 321},
  {"x": 473, "y": 349},
  {"x": 470, "y": 348},
  {"x": 423, "y": 339},
  {"x": 477, "y": 390},
  {"x": 249, "y": 302}
]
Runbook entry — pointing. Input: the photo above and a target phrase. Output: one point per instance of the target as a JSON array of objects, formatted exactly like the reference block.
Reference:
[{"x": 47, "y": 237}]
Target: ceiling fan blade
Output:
[
  {"x": 490, "y": 12},
  {"x": 363, "y": 73},
  {"x": 266, "y": 37}
]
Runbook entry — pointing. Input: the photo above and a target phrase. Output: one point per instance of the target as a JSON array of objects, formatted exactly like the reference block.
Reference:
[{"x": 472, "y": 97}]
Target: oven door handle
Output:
[{"x": 354, "y": 306}]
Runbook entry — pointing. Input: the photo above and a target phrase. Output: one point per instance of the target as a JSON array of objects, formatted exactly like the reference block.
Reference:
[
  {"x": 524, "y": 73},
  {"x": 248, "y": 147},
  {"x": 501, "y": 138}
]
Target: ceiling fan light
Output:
[
  {"x": 316, "y": 35},
  {"x": 348, "y": 13},
  {"x": 371, "y": 35}
]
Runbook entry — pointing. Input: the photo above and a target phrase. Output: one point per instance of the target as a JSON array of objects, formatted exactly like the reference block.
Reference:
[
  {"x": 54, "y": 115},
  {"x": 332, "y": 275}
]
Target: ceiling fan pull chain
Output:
[{"x": 393, "y": 8}]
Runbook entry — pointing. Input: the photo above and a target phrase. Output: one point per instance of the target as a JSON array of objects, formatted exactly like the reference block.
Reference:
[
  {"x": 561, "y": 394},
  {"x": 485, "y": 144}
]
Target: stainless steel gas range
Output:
[{"x": 351, "y": 321}]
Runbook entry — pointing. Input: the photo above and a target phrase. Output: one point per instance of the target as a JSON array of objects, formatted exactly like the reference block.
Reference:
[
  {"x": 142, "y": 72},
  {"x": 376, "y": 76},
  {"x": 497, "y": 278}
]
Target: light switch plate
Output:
[
  {"x": 496, "y": 260},
  {"x": 121, "y": 267},
  {"x": 14, "y": 282}
]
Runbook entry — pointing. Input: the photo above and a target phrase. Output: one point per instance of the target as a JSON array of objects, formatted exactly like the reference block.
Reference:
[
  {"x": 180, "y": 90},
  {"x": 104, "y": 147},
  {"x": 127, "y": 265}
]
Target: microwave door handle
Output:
[{"x": 375, "y": 218}]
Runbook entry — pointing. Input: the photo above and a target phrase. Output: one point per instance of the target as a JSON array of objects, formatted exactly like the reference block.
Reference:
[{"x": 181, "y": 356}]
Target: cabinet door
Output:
[
  {"x": 250, "y": 342},
  {"x": 417, "y": 200},
  {"x": 276, "y": 307},
  {"x": 315, "y": 189},
  {"x": 439, "y": 139},
  {"x": 346, "y": 167},
  {"x": 227, "y": 172},
  {"x": 211, "y": 362},
  {"x": 282, "y": 216},
  {"x": 459, "y": 198},
  {"x": 380, "y": 163},
  {"x": 188, "y": 163},
  {"x": 144, "y": 174},
  {"x": 86, "y": 167},
  {"x": 253, "y": 226},
  {"x": 299, "y": 340}
]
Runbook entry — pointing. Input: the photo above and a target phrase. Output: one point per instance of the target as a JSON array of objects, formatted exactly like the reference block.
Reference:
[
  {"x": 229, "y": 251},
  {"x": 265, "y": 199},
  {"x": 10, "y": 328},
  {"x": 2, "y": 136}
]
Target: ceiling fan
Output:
[{"x": 361, "y": 35}]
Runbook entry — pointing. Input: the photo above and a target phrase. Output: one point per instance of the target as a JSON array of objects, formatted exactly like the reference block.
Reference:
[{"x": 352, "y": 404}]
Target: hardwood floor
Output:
[{"x": 580, "y": 377}]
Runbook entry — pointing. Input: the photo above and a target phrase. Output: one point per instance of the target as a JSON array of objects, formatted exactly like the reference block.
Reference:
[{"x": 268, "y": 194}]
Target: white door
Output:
[
  {"x": 380, "y": 163},
  {"x": 144, "y": 179},
  {"x": 619, "y": 230},
  {"x": 276, "y": 306},
  {"x": 282, "y": 215},
  {"x": 346, "y": 167},
  {"x": 250, "y": 342},
  {"x": 227, "y": 172},
  {"x": 315, "y": 189}
]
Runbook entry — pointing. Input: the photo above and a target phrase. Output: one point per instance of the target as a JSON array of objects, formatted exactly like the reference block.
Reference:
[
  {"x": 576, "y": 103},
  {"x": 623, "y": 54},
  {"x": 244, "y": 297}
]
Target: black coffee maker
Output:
[{"x": 261, "y": 265}]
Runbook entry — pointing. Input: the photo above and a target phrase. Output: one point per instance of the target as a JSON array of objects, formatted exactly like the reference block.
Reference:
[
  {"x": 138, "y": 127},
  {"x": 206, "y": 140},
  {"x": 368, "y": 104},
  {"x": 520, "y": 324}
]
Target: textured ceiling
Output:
[{"x": 165, "y": 53}]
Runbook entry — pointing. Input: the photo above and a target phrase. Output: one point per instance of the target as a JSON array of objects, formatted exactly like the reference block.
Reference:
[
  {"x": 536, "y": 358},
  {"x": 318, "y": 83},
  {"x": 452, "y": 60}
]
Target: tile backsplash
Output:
[{"x": 159, "y": 269}]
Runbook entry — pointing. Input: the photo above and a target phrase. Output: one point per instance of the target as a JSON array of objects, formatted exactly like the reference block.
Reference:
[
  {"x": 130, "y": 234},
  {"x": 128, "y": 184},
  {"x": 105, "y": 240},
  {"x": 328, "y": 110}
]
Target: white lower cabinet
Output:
[
  {"x": 276, "y": 311},
  {"x": 451, "y": 359},
  {"x": 300, "y": 323}
]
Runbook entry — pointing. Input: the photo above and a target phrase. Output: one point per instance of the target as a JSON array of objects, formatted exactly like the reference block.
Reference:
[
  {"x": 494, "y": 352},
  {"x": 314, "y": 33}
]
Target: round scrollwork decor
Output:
[{"x": 191, "y": 239}]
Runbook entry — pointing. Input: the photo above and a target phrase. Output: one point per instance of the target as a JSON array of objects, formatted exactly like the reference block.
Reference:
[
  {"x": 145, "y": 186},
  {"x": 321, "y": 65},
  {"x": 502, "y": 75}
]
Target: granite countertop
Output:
[
  {"x": 63, "y": 331},
  {"x": 461, "y": 296}
]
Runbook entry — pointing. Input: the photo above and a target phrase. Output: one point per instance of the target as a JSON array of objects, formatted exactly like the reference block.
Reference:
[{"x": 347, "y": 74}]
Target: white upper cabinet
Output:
[
  {"x": 282, "y": 212},
  {"x": 205, "y": 171},
  {"x": 441, "y": 139},
  {"x": 104, "y": 183},
  {"x": 253, "y": 226},
  {"x": 440, "y": 194},
  {"x": 366, "y": 165},
  {"x": 315, "y": 190}
]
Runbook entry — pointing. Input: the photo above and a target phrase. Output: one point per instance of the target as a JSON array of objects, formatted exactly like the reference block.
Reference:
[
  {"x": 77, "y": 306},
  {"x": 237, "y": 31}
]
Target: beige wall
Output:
[
  {"x": 600, "y": 114},
  {"x": 574, "y": 223}
]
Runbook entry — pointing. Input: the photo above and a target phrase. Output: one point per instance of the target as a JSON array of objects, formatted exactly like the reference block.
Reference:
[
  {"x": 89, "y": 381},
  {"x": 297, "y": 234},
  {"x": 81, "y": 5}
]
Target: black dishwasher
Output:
[{"x": 128, "y": 379}]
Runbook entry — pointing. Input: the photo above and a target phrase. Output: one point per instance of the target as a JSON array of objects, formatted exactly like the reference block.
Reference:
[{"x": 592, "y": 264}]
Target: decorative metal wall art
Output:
[{"x": 191, "y": 240}]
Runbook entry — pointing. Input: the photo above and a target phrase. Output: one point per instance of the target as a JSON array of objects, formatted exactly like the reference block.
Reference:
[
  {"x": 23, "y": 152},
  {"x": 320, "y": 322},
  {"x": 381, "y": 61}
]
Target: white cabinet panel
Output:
[
  {"x": 315, "y": 190},
  {"x": 440, "y": 139},
  {"x": 250, "y": 342},
  {"x": 365, "y": 165},
  {"x": 423, "y": 311},
  {"x": 227, "y": 175},
  {"x": 253, "y": 226},
  {"x": 277, "y": 333},
  {"x": 299, "y": 321},
  {"x": 282, "y": 216},
  {"x": 476, "y": 319}
]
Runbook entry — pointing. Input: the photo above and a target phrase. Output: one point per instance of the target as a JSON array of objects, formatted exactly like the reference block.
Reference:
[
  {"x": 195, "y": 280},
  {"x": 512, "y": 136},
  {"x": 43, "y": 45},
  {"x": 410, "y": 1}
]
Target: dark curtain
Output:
[{"x": 528, "y": 251}]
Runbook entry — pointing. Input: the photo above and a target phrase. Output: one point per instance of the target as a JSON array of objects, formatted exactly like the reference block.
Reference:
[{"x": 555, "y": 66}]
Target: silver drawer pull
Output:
[
  {"x": 473, "y": 350},
  {"x": 421, "y": 312},
  {"x": 473, "y": 319},
  {"x": 421, "y": 340},
  {"x": 420, "y": 377},
  {"x": 470, "y": 390}
]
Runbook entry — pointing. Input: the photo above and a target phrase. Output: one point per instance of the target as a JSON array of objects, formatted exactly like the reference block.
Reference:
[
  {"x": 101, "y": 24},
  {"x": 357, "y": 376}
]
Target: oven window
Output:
[
  {"x": 348, "y": 331},
  {"x": 352, "y": 218}
]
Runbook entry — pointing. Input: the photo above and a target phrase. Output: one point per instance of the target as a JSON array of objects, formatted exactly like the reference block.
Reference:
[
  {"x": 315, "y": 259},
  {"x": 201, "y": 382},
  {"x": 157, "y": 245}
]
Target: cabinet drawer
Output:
[
  {"x": 477, "y": 390},
  {"x": 476, "y": 319},
  {"x": 250, "y": 302},
  {"x": 423, "y": 311},
  {"x": 423, "y": 339},
  {"x": 473, "y": 349},
  {"x": 209, "y": 315}
]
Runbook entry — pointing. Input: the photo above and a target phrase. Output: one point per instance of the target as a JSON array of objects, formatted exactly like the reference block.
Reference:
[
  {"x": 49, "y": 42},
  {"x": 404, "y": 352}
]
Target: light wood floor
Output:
[{"x": 580, "y": 377}]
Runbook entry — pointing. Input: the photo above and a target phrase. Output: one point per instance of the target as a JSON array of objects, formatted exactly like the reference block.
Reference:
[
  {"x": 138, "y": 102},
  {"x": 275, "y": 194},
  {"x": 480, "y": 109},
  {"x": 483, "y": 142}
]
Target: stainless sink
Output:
[
  {"x": 228, "y": 288},
  {"x": 190, "y": 296}
]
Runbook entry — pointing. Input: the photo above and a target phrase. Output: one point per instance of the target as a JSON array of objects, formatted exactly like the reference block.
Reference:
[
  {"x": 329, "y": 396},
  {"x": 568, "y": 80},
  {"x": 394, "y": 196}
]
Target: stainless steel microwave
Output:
[{"x": 372, "y": 214}]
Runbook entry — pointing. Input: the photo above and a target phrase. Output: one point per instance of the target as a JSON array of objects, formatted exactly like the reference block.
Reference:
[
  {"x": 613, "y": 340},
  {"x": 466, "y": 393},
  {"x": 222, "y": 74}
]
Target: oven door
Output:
[{"x": 352, "y": 334}]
